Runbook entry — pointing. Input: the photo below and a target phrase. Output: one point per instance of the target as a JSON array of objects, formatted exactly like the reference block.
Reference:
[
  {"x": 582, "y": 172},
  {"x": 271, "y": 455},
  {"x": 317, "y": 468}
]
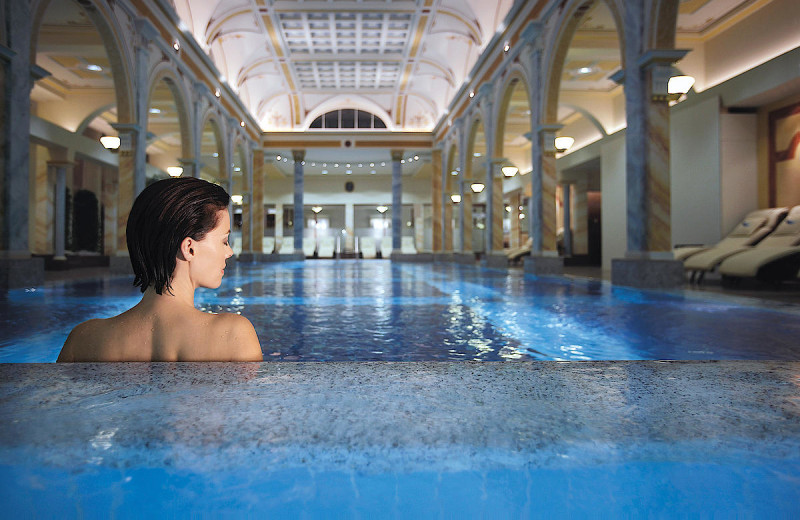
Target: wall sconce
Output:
[
  {"x": 563, "y": 143},
  {"x": 454, "y": 172},
  {"x": 237, "y": 199},
  {"x": 456, "y": 198},
  {"x": 477, "y": 187},
  {"x": 382, "y": 209},
  {"x": 678, "y": 86},
  {"x": 174, "y": 171},
  {"x": 509, "y": 171},
  {"x": 110, "y": 142},
  {"x": 316, "y": 209}
]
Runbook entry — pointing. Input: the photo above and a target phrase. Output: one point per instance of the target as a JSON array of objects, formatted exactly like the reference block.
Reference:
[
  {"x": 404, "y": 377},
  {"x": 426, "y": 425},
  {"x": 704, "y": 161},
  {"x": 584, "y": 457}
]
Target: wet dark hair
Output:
[{"x": 163, "y": 215}]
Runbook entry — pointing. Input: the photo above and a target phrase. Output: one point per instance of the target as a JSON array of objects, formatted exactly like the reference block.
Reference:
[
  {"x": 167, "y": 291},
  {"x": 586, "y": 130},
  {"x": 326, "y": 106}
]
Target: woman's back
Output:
[{"x": 152, "y": 332}]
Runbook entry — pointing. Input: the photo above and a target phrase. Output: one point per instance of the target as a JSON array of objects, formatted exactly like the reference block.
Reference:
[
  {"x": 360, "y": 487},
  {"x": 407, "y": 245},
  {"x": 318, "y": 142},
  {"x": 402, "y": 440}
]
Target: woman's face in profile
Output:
[{"x": 208, "y": 265}]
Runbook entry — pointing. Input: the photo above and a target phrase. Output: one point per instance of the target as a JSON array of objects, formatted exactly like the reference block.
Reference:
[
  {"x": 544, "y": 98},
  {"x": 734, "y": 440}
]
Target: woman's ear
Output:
[{"x": 187, "y": 249}]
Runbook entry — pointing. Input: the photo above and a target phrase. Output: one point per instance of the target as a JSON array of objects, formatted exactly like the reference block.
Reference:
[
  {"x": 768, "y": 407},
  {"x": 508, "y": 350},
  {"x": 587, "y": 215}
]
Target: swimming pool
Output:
[
  {"x": 423, "y": 428},
  {"x": 383, "y": 311}
]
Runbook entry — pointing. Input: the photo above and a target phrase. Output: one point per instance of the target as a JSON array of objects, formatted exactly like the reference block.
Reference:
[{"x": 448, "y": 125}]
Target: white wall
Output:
[
  {"x": 368, "y": 189},
  {"x": 739, "y": 168},
  {"x": 695, "y": 173},
  {"x": 613, "y": 211}
]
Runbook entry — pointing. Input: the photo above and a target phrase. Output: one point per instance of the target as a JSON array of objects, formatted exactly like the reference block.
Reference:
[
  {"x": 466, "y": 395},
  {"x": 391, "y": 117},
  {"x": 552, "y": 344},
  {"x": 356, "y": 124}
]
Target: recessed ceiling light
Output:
[
  {"x": 155, "y": 111},
  {"x": 93, "y": 67},
  {"x": 585, "y": 70},
  {"x": 215, "y": 154}
]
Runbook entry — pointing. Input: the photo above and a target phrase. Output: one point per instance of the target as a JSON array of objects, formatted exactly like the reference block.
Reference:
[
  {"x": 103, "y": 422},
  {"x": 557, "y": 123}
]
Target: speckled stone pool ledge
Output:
[{"x": 377, "y": 417}]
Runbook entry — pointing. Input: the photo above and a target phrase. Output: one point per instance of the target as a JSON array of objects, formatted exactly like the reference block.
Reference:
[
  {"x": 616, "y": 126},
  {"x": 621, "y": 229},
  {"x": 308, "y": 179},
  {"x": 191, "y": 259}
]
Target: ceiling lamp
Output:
[
  {"x": 382, "y": 209},
  {"x": 237, "y": 199},
  {"x": 564, "y": 143},
  {"x": 174, "y": 171},
  {"x": 456, "y": 198},
  {"x": 316, "y": 209},
  {"x": 110, "y": 142},
  {"x": 678, "y": 86},
  {"x": 477, "y": 187},
  {"x": 509, "y": 171}
]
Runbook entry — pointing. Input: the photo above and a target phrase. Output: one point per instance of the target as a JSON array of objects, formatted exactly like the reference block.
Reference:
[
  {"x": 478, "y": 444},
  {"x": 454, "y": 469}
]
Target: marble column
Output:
[
  {"x": 257, "y": 195},
  {"x": 247, "y": 224},
  {"x": 648, "y": 261},
  {"x": 42, "y": 201},
  {"x": 59, "y": 171},
  {"x": 514, "y": 202},
  {"x": 278, "y": 226},
  {"x": 566, "y": 190},
  {"x": 126, "y": 186},
  {"x": 436, "y": 201},
  {"x": 109, "y": 199},
  {"x": 298, "y": 156},
  {"x": 349, "y": 227},
  {"x": 448, "y": 224},
  {"x": 466, "y": 208},
  {"x": 461, "y": 215},
  {"x": 580, "y": 220},
  {"x": 145, "y": 33},
  {"x": 397, "y": 200},
  {"x": 17, "y": 267},
  {"x": 495, "y": 208},
  {"x": 419, "y": 227}
]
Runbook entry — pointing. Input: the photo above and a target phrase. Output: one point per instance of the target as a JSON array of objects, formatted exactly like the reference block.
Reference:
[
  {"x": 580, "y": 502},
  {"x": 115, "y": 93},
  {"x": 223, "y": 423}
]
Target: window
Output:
[{"x": 348, "y": 118}]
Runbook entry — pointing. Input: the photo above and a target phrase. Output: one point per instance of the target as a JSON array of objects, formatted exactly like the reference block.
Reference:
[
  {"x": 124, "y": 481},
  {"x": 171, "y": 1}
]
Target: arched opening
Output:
[
  {"x": 165, "y": 143},
  {"x": 584, "y": 103},
  {"x": 348, "y": 119},
  {"x": 86, "y": 93},
  {"x": 513, "y": 143}
]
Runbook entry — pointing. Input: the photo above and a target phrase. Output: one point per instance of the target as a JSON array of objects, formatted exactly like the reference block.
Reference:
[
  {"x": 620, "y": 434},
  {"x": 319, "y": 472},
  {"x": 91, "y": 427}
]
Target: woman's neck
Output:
[{"x": 181, "y": 292}]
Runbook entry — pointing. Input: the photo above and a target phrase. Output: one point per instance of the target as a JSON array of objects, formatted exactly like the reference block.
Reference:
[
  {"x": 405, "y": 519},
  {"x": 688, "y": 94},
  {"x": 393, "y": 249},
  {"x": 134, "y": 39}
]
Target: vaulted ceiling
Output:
[{"x": 292, "y": 60}]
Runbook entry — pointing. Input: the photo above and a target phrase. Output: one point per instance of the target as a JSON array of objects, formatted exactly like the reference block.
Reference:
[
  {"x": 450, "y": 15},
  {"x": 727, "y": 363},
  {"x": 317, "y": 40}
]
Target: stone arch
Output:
[
  {"x": 557, "y": 45},
  {"x": 164, "y": 72},
  {"x": 514, "y": 79},
  {"x": 101, "y": 15}
]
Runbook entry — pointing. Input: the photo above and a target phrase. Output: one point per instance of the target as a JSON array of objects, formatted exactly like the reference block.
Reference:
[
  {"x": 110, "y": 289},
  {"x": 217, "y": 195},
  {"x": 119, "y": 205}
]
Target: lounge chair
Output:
[
  {"x": 515, "y": 253},
  {"x": 759, "y": 223},
  {"x": 309, "y": 247},
  {"x": 386, "y": 247},
  {"x": 287, "y": 246},
  {"x": 327, "y": 247},
  {"x": 407, "y": 246},
  {"x": 777, "y": 257},
  {"x": 367, "y": 246},
  {"x": 748, "y": 233},
  {"x": 268, "y": 246}
]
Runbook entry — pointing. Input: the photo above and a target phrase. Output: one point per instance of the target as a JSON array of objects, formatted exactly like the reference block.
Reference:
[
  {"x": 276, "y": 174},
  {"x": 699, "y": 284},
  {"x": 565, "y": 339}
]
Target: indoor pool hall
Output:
[{"x": 401, "y": 259}]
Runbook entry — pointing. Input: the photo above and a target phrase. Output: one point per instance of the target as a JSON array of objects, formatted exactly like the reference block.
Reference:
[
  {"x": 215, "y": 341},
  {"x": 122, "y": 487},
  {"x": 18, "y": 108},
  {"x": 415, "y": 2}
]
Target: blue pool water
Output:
[{"x": 379, "y": 311}]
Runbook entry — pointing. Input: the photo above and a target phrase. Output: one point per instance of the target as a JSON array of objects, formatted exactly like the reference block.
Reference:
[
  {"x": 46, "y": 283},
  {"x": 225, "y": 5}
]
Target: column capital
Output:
[
  {"x": 660, "y": 57},
  {"x": 145, "y": 32},
  {"x": 298, "y": 155},
  {"x": 397, "y": 155}
]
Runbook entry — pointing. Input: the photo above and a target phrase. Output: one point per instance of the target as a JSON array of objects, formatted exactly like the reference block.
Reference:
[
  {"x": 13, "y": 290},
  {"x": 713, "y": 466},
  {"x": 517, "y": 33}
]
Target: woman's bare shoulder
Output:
[
  {"x": 82, "y": 341},
  {"x": 242, "y": 340}
]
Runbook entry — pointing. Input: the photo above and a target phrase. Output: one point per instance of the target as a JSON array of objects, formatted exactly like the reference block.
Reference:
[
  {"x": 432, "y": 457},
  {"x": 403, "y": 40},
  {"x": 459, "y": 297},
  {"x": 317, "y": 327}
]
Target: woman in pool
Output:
[{"x": 177, "y": 237}]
